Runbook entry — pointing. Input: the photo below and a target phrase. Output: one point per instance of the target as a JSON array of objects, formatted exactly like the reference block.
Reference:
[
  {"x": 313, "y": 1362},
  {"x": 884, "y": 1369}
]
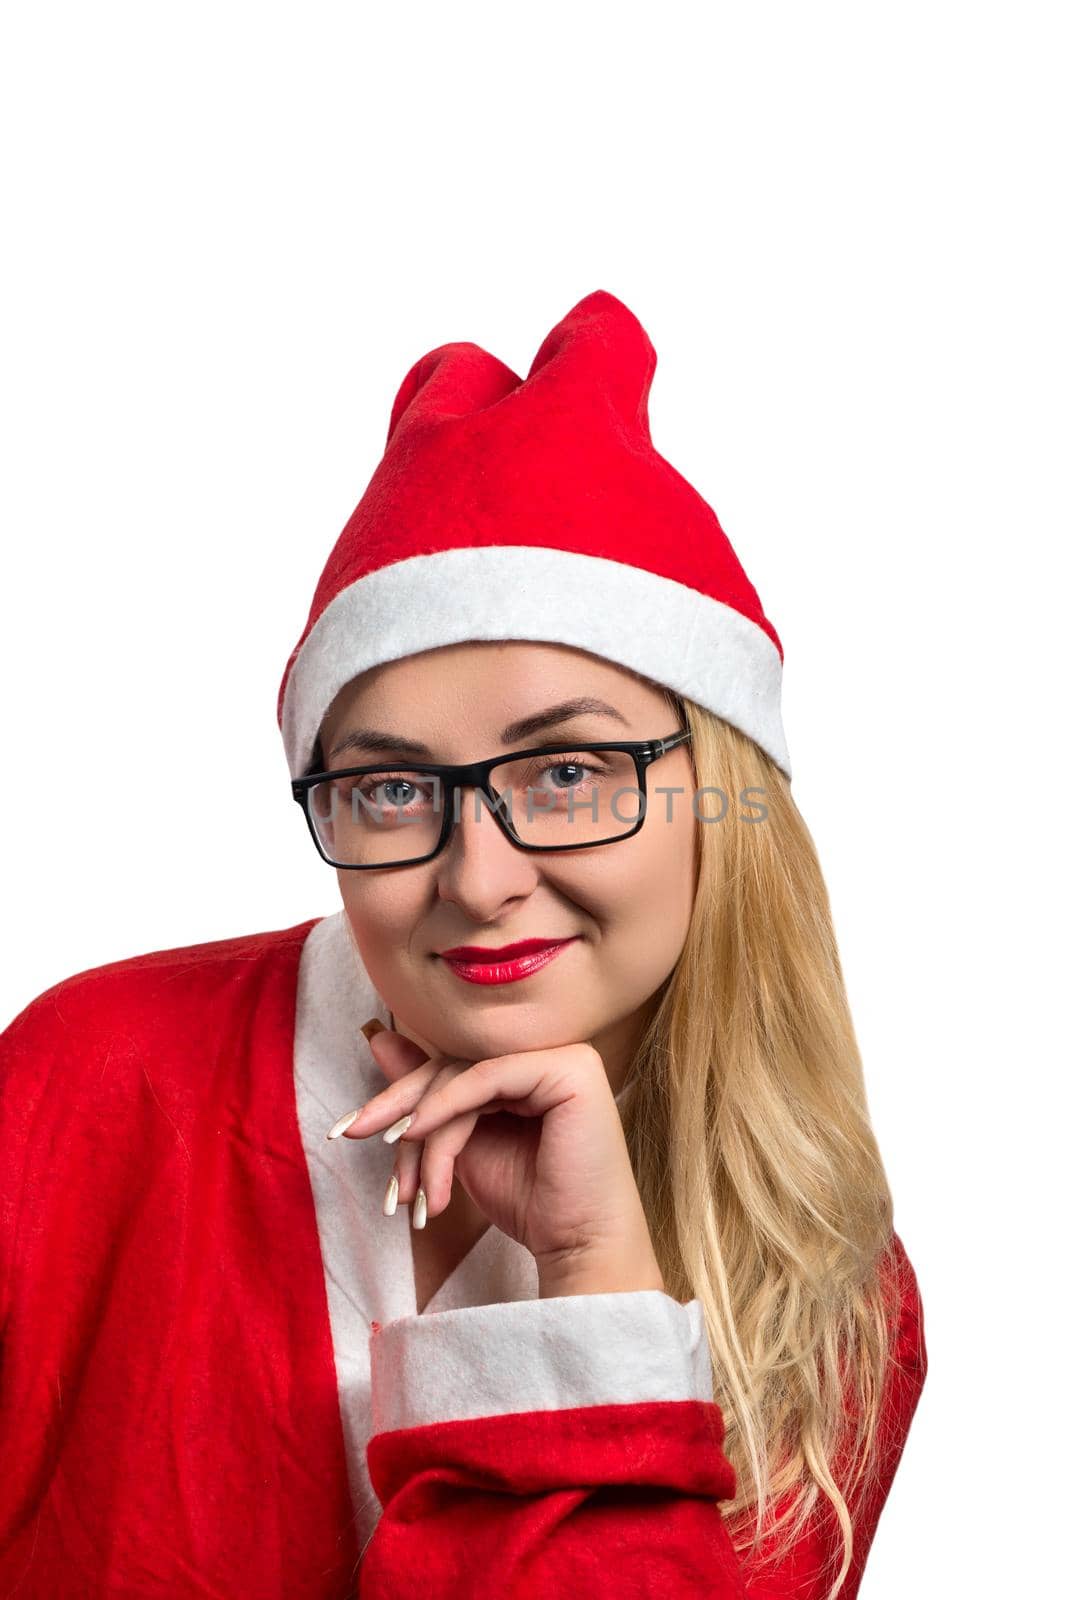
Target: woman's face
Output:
[{"x": 628, "y": 903}]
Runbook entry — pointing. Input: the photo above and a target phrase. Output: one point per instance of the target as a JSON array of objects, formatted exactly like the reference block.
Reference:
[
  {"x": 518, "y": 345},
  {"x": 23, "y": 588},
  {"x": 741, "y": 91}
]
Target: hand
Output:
[{"x": 537, "y": 1142}]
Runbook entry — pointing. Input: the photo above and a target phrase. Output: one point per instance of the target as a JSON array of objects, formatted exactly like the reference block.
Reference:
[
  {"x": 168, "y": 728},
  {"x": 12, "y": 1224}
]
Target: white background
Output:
[{"x": 230, "y": 231}]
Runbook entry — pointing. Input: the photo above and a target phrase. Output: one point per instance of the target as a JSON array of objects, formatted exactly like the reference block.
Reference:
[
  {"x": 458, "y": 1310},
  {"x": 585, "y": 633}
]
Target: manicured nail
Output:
[
  {"x": 418, "y": 1220},
  {"x": 393, "y": 1132},
  {"x": 369, "y": 1029},
  {"x": 343, "y": 1122},
  {"x": 389, "y": 1208}
]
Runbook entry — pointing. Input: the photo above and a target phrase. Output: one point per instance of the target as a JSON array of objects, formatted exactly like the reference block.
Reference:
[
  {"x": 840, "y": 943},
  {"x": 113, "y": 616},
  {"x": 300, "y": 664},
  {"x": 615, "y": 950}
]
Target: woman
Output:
[{"x": 647, "y": 1327}]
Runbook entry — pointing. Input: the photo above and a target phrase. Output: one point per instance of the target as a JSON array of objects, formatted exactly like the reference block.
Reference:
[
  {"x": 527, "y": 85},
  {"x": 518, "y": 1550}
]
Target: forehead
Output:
[{"x": 476, "y": 688}]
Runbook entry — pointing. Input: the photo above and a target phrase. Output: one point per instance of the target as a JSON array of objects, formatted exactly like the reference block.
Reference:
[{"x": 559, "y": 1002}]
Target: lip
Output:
[
  {"x": 505, "y": 952},
  {"x": 534, "y": 954}
]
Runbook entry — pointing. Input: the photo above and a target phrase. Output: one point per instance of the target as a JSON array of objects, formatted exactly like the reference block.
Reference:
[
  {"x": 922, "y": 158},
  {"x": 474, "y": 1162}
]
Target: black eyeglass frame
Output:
[{"x": 475, "y": 775}]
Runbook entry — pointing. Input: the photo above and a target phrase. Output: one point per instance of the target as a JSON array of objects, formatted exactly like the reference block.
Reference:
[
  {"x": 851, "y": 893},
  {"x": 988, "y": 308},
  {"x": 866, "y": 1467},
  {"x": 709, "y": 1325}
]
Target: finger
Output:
[
  {"x": 407, "y": 1168},
  {"x": 406, "y": 1172},
  {"x": 437, "y": 1166},
  {"x": 530, "y": 1084},
  {"x": 396, "y": 1101},
  {"x": 394, "y": 1054},
  {"x": 410, "y": 1083}
]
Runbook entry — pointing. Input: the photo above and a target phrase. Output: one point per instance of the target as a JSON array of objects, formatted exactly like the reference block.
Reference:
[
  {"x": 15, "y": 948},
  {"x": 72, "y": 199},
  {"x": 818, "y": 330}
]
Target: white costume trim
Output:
[{"x": 664, "y": 630}]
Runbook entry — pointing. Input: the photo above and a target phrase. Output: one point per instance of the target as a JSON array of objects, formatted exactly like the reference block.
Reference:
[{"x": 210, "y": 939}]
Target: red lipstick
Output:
[
  {"x": 476, "y": 964},
  {"x": 504, "y": 952}
]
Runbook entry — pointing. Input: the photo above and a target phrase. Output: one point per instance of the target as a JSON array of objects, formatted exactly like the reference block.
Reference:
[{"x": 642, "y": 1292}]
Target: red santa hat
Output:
[{"x": 539, "y": 509}]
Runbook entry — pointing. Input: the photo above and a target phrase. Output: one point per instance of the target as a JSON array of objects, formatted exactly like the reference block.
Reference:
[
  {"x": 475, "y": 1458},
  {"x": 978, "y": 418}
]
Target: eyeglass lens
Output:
[{"x": 553, "y": 799}]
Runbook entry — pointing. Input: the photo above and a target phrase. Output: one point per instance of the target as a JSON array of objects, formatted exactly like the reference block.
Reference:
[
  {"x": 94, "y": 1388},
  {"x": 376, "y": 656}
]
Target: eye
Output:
[
  {"x": 387, "y": 789},
  {"x": 580, "y": 767},
  {"x": 567, "y": 766},
  {"x": 376, "y": 792}
]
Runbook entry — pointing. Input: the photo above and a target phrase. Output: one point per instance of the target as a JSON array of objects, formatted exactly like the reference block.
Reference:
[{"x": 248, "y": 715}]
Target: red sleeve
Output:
[
  {"x": 808, "y": 1572},
  {"x": 575, "y": 1441},
  {"x": 567, "y": 1441}
]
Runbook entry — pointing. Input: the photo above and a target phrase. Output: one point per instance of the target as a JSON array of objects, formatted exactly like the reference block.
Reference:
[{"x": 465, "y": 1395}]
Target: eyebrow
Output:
[{"x": 375, "y": 741}]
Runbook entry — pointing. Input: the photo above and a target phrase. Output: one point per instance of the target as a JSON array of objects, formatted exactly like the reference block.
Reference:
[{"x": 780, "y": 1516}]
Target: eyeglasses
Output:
[{"x": 363, "y": 818}]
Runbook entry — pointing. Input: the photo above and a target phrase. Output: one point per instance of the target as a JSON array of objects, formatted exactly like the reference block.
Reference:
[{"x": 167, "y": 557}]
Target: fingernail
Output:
[
  {"x": 393, "y": 1132},
  {"x": 343, "y": 1122},
  {"x": 389, "y": 1208},
  {"x": 369, "y": 1029},
  {"x": 418, "y": 1220}
]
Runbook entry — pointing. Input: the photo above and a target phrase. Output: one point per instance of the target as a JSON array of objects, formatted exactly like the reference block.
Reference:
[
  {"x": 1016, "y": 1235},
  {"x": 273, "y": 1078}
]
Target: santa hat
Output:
[{"x": 538, "y": 509}]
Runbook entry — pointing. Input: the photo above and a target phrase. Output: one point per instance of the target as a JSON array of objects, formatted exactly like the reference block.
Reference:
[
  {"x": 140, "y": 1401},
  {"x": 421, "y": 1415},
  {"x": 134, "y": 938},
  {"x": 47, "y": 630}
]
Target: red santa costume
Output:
[{"x": 214, "y": 1381}]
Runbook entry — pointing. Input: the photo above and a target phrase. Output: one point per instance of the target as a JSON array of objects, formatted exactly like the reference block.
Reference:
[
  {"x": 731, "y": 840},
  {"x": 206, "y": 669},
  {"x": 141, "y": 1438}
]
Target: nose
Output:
[{"x": 480, "y": 868}]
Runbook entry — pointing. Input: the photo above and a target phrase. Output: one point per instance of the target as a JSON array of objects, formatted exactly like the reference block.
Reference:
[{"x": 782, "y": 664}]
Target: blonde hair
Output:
[{"x": 751, "y": 1142}]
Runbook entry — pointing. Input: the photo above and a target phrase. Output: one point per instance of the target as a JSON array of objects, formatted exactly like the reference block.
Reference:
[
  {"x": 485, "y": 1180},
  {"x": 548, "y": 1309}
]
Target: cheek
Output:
[
  {"x": 669, "y": 832},
  {"x": 381, "y": 915},
  {"x": 640, "y": 892},
  {"x": 663, "y": 883}
]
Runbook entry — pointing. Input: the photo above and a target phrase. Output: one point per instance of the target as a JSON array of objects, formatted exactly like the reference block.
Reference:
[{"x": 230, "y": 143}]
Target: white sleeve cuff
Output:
[{"x": 538, "y": 1355}]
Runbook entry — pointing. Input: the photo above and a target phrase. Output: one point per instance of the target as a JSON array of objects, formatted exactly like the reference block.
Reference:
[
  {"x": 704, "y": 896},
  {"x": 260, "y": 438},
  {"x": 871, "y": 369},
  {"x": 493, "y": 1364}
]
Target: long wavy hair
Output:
[{"x": 749, "y": 1132}]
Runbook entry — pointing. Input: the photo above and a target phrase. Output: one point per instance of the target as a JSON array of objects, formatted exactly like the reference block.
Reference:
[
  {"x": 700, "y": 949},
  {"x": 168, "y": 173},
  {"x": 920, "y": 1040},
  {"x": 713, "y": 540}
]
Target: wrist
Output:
[{"x": 587, "y": 1272}]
